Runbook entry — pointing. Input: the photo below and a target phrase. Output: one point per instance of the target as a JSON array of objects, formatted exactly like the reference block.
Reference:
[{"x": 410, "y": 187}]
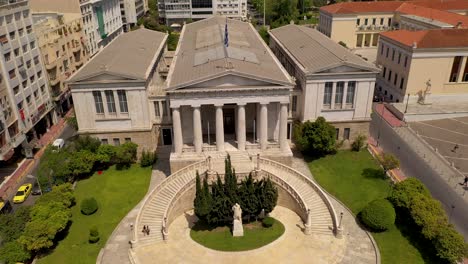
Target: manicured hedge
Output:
[
  {"x": 89, "y": 206},
  {"x": 378, "y": 215},
  {"x": 93, "y": 235},
  {"x": 268, "y": 221}
]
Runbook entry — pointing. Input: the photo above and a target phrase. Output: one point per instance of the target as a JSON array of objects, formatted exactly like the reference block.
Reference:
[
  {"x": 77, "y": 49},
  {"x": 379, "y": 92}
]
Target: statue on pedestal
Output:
[{"x": 237, "y": 229}]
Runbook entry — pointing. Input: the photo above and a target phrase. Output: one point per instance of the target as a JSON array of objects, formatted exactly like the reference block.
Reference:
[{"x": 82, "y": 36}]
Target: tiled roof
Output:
[
  {"x": 434, "y": 14},
  {"x": 362, "y": 7},
  {"x": 130, "y": 55},
  {"x": 443, "y": 4},
  {"x": 202, "y": 55},
  {"x": 315, "y": 51},
  {"x": 436, "y": 38}
]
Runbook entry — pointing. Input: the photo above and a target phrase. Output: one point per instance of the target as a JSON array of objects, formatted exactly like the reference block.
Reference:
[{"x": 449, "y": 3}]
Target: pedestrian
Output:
[
  {"x": 465, "y": 182},
  {"x": 455, "y": 148},
  {"x": 131, "y": 227},
  {"x": 144, "y": 230},
  {"x": 147, "y": 230}
]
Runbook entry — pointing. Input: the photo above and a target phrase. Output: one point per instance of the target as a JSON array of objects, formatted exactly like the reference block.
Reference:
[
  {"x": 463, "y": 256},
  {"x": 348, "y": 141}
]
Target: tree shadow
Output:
[
  {"x": 412, "y": 233},
  {"x": 372, "y": 173}
]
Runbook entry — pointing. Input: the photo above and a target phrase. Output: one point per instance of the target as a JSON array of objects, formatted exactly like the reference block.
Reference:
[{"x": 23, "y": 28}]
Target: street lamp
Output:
[
  {"x": 341, "y": 219},
  {"x": 37, "y": 181}
]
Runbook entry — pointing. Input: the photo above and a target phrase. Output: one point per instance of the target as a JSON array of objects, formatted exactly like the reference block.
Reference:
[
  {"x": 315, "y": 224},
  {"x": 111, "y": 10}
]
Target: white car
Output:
[{"x": 58, "y": 143}]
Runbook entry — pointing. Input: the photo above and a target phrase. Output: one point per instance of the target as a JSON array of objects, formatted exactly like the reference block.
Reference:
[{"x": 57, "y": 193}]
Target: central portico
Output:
[{"x": 227, "y": 95}]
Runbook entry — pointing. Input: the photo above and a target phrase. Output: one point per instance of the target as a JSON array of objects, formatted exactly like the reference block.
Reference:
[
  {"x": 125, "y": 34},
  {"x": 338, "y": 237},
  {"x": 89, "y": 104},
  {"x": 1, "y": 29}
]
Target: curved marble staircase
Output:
[{"x": 157, "y": 204}]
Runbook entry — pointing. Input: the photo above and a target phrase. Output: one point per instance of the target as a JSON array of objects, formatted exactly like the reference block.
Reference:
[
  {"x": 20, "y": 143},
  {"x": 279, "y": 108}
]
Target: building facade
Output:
[
  {"x": 62, "y": 44},
  {"x": 110, "y": 92},
  {"x": 131, "y": 11},
  {"x": 102, "y": 22},
  {"x": 182, "y": 10},
  {"x": 26, "y": 105},
  {"x": 330, "y": 80},
  {"x": 358, "y": 24},
  {"x": 423, "y": 66}
]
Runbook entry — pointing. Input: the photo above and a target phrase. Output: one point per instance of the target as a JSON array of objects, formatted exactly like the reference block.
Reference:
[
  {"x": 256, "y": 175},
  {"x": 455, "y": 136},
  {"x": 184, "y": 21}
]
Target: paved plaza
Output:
[{"x": 445, "y": 135}]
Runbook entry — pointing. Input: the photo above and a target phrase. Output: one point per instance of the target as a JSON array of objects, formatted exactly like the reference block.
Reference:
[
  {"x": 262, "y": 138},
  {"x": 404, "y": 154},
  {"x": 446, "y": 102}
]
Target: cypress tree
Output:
[
  {"x": 198, "y": 196},
  {"x": 248, "y": 197},
  {"x": 269, "y": 196}
]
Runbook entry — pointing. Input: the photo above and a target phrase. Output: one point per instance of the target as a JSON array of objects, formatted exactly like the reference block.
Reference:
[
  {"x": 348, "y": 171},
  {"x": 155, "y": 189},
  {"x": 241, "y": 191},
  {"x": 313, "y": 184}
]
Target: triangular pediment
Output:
[
  {"x": 229, "y": 80},
  {"x": 102, "y": 77},
  {"x": 347, "y": 68}
]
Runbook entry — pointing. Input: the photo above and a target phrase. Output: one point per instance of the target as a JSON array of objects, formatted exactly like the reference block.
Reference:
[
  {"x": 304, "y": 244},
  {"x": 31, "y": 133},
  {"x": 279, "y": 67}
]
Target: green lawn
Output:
[
  {"x": 220, "y": 238},
  {"x": 117, "y": 192},
  {"x": 355, "y": 179}
]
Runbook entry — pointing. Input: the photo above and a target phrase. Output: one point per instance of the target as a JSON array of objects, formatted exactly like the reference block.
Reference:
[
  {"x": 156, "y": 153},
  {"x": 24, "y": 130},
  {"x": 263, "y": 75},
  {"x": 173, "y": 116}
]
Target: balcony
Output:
[
  {"x": 50, "y": 65},
  {"x": 53, "y": 80},
  {"x": 372, "y": 28}
]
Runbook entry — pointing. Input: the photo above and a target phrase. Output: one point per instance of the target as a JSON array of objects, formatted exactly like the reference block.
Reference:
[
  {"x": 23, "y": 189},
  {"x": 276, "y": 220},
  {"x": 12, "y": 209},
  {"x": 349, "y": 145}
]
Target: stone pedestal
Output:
[
  {"x": 339, "y": 232},
  {"x": 237, "y": 229}
]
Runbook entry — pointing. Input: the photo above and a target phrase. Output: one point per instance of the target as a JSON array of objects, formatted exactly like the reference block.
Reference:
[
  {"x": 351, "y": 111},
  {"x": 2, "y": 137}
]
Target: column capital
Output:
[
  {"x": 264, "y": 103},
  {"x": 196, "y": 106},
  {"x": 174, "y": 107},
  {"x": 217, "y": 105},
  {"x": 241, "y": 104},
  {"x": 284, "y": 103}
]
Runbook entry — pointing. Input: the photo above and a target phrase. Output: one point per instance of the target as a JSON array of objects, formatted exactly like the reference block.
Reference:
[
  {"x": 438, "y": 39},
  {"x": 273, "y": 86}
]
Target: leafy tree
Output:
[
  {"x": 125, "y": 155},
  {"x": 264, "y": 34},
  {"x": 428, "y": 214},
  {"x": 221, "y": 208},
  {"x": 450, "y": 245},
  {"x": 389, "y": 162},
  {"x": 403, "y": 192},
  {"x": 12, "y": 225},
  {"x": 230, "y": 182},
  {"x": 81, "y": 162},
  {"x": 358, "y": 143},
  {"x": 86, "y": 143},
  {"x": 105, "y": 153},
  {"x": 319, "y": 3},
  {"x": 172, "y": 41},
  {"x": 249, "y": 201},
  {"x": 316, "y": 138},
  {"x": 72, "y": 121},
  {"x": 268, "y": 195},
  {"x": 13, "y": 252},
  {"x": 148, "y": 158},
  {"x": 54, "y": 167}
]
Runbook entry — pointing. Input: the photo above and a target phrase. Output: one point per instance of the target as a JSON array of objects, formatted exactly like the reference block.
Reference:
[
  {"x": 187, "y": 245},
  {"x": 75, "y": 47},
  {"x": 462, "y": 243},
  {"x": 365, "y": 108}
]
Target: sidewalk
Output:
[{"x": 11, "y": 183}]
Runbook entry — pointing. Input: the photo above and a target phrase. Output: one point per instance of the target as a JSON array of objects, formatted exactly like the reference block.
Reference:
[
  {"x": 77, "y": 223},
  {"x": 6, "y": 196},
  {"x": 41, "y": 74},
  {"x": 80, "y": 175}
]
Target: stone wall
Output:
[{"x": 356, "y": 128}]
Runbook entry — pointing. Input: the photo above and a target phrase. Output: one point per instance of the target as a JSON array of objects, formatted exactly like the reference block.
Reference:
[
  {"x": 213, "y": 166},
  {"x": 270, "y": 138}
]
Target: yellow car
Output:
[{"x": 22, "y": 193}]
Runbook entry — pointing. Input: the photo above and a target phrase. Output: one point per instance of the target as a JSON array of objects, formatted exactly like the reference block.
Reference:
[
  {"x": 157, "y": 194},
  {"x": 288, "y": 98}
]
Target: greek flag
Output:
[{"x": 226, "y": 36}]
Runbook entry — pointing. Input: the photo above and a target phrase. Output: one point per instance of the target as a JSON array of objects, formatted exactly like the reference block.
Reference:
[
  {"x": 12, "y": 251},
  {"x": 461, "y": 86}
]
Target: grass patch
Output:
[
  {"x": 116, "y": 192},
  {"x": 356, "y": 179},
  {"x": 221, "y": 238}
]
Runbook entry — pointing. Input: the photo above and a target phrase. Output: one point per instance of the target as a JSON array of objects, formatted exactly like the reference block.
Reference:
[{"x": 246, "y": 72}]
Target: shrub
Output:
[
  {"x": 89, "y": 206},
  {"x": 268, "y": 222},
  {"x": 403, "y": 192},
  {"x": 315, "y": 138},
  {"x": 125, "y": 155},
  {"x": 93, "y": 235},
  {"x": 13, "y": 252},
  {"x": 378, "y": 215},
  {"x": 450, "y": 245},
  {"x": 358, "y": 143},
  {"x": 389, "y": 162},
  {"x": 148, "y": 158}
]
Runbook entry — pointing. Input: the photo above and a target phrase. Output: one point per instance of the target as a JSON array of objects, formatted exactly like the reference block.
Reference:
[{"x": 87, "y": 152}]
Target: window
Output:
[
  {"x": 381, "y": 49},
  {"x": 346, "y": 133},
  {"x": 365, "y": 21},
  {"x": 389, "y": 75},
  {"x": 116, "y": 141},
  {"x": 395, "y": 79},
  {"x": 389, "y": 22},
  {"x": 384, "y": 71},
  {"x": 337, "y": 133},
  {"x": 43, "y": 90},
  {"x": 104, "y": 141},
  {"x": 157, "y": 113},
  {"x": 25, "y": 48},
  {"x": 32, "y": 78},
  {"x": 7, "y": 56},
  {"x": 12, "y": 35},
  {"x": 399, "y": 57},
  {"x": 373, "y": 21},
  {"x": 387, "y": 52},
  {"x": 381, "y": 21},
  {"x": 455, "y": 68},
  {"x": 32, "y": 44},
  {"x": 402, "y": 81},
  {"x": 339, "y": 93},
  {"x": 98, "y": 102},
  {"x": 465, "y": 72},
  {"x": 358, "y": 21},
  {"x": 16, "y": 51},
  {"x": 327, "y": 93},
  {"x": 350, "y": 92},
  {"x": 393, "y": 54},
  {"x": 110, "y": 101},
  {"x": 406, "y": 61},
  {"x": 12, "y": 74},
  {"x": 294, "y": 103},
  {"x": 122, "y": 101},
  {"x": 164, "y": 108},
  {"x": 128, "y": 140}
]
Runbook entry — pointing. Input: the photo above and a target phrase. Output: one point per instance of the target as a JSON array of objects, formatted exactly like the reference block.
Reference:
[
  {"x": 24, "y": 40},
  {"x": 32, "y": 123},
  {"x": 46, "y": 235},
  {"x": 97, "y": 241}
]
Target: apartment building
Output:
[
  {"x": 26, "y": 106},
  {"x": 102, "y": 22},
  {"x": 131, "y": 11},
  {"x": 177, "y": 11},
  {"x": 423, "y": 66},
  {"x": 358, "y": 24},
  {"x": 330, "y": 80}
]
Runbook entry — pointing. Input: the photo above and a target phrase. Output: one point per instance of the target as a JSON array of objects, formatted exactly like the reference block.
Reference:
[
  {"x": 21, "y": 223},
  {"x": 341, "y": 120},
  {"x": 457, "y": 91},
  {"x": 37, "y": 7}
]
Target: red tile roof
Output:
[
  {"x": 443, "y": 4},
  {"x": 434, "y": 14},
  {"x": 362, "y": 7},
  {"x": 435, "y": 38}
]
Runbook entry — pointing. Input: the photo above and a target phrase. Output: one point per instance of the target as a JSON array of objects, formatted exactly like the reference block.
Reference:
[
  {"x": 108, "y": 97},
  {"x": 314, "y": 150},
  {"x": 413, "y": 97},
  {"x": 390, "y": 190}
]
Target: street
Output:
[
  {"x": 67, "y": 134},
  {"x": 413, "y": 165}
]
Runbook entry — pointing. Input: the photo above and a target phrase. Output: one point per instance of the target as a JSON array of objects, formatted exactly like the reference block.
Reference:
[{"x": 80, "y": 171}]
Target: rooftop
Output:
[
  {"x": 130, "y": 55},
  {"x": 315, "y": 51},
  {"x": 202, "y": 55},
  {"x": 435, "y": 38},
  {"x": 362, "y": 7},
  {"x": 434, "y": 14},
  {"x": 452, "y": 5}
]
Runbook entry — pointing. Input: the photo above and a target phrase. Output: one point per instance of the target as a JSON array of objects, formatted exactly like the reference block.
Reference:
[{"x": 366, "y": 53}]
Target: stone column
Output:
[
  {"x": 219, "y": 128},
  {"x": 197, "y": 129},
  {"x": 263, "y": 126},
  {"x": 345, "y": 91},
  {"x": 283, "y": 129},
  {"x": 177, "y": 127},
  {"x": 241, "y": 137}
]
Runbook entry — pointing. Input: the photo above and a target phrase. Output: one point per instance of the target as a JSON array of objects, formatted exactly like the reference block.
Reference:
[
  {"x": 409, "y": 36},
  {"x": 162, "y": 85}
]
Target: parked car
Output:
[
  {"x": 36, "y": 190},
  {"x": 5, "y": 207},
  {"x": 22, "y": 193}
]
